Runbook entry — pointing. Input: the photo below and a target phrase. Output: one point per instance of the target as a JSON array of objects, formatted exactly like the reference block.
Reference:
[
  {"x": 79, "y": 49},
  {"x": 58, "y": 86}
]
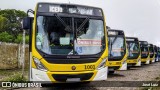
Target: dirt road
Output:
[{"x": 144, "y": 73}]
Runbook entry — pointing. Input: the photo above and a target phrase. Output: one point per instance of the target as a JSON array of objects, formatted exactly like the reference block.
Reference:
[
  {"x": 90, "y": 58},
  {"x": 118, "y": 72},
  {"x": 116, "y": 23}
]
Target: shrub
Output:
[
  {"x": 6, "y": 37},
  {"x": 16, "y": 78},
  {"x": 19, "y": 39}
]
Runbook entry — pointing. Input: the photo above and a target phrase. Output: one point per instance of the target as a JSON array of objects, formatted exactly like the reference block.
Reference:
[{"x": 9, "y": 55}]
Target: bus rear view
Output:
[
  {"x": 134, "y": 54},
  {"x": 117, "y": 50},
  {"x": 68, "y": 43},
  {"x": 145, "y": 55}
]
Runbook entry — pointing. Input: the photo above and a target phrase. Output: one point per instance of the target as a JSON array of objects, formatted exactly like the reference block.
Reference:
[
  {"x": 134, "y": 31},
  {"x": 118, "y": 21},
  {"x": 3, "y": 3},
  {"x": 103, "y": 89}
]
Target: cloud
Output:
[{"x": 138, "y": 18}]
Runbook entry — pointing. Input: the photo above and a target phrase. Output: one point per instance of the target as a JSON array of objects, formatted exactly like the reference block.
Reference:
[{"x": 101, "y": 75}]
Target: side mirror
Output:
[{"x": 27, "y": 23}]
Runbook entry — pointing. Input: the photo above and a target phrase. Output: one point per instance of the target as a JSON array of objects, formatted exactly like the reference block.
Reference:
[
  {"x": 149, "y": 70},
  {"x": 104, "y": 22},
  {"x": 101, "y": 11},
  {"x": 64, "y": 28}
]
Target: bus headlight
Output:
[
  {"x": 102, "y": 64},
  {"x": 39, "y": 65},
  {"x": 125, "y": 60},
  {"x": 139, "y": 60}
]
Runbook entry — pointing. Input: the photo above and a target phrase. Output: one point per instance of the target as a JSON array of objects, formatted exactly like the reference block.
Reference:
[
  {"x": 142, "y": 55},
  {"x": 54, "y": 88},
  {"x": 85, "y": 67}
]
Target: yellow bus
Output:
[
  {"x": 156, "y": 53},
  {"x": 117, "y": 50},
  {"x": 68, "y": 43},
  {"x": 145, "y": 55},
  {"x": 134, "y": 52},
  {"x": 152, "y": 53}
]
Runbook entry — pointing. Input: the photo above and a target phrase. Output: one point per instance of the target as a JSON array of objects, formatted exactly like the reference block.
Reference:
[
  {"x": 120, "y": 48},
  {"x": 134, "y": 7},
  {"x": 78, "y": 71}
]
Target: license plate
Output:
[{"x": 73, "y": 79}]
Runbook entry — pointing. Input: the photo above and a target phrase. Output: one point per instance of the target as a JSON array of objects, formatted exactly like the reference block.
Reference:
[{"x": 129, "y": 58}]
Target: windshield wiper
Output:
[
  {"x": 80, "y": 27},
  {"x": 67, "y": 27},
  {"x": 110, "y": 48},
  {"x": 129, "y": 50}
]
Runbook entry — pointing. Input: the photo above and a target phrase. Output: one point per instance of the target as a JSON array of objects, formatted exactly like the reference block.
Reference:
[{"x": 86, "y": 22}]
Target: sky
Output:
[{"x": 138, "y": 18}]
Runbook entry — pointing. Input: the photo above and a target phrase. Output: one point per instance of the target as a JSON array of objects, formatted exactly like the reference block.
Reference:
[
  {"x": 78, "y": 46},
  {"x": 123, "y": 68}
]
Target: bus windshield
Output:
[
  {"x": 133, "y": 50},
  {"x": 69, "y": 36},
  {"x": 144, "y": 52},
  {"x": 151, "y": 52},
  {"x": 116, "y": 47}
]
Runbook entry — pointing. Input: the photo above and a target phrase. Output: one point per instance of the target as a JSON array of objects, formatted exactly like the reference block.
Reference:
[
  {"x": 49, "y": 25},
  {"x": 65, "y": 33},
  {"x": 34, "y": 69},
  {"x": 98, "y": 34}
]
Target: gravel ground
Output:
[{"x": 144, "y": 73}]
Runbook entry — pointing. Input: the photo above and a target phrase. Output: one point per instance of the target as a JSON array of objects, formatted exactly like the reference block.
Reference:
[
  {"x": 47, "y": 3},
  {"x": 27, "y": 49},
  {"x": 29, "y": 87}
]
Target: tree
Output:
[
  {"x": 14, "y": 18},
  {"x": 3, "y": 22}
]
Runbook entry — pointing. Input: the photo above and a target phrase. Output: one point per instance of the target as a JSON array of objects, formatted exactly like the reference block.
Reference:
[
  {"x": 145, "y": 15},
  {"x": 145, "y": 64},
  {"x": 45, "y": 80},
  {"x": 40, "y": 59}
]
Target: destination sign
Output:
[
  {"x": 89, "y": 42},
  {"x": 112, "y": 33},
  {"x": 131, "y": 39},
  {"x": 115, "y": 32},
  {"x": 144, "y": 42},
  {"x": 69, "y": 9},
  {"x": 144, "y": 52}
]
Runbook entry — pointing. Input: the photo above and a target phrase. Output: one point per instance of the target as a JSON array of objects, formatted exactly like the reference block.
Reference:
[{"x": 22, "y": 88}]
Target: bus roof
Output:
[
  {"x": 67, "y": 4},
  {"x": 132, "y": 39},
  {"x": 150, "y": 44},
  {"x": 115, "y": 32},
  {"x": 44, "y": 7},
  {"x": 143, "y": 42}
]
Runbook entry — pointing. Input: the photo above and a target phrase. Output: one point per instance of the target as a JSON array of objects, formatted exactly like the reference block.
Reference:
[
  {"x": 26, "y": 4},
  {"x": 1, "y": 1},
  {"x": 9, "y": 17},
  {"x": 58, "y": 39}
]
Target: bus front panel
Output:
[{"x": 68, "y": 44}]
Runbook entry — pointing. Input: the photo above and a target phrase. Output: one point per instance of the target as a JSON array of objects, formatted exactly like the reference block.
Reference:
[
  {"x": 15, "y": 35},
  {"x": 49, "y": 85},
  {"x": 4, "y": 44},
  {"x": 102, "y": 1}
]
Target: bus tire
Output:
[
  {"x": 111, "y": 72},
  {"x": 128, "y": 67}
]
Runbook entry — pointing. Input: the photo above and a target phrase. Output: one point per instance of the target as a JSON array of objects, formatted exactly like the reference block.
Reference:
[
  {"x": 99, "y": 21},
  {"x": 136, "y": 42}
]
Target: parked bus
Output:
[
  {"x": 145, "y": 55},
  {"x": 117, "y": 50},
  {"x": 152, "y": 54},
  {"x": 156, "y": 53},
  {"x": 68, "y": 43},
  {"x": 134, "y": 52}
]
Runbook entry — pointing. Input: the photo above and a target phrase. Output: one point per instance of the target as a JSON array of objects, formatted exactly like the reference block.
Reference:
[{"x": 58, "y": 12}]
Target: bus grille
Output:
[{"x": 63, "y": 77}]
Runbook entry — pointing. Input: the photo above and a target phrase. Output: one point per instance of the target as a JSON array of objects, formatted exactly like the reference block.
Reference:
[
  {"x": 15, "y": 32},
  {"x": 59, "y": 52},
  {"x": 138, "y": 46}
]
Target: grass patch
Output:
[
  {"x": 13, "y": 75},
  {"x": 15, "y": 78}
]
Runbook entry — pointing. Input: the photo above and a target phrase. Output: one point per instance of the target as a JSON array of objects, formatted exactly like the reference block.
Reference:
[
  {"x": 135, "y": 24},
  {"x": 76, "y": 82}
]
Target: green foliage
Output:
[
  {"x": 27, "y": 39},
  {"x": 6, "y": 37},
  {"x": 10, "y": 26},
  {"x": 3, "y": 22},
  {"x": 19, "y": 39},
  {"x": 10, "y": 21},
  {"x": 16, "y": 78}
]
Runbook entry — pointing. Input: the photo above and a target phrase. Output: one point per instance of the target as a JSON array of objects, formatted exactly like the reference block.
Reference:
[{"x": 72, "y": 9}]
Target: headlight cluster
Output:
[
  {"x": 102, "y": 64},
  {"x": 39, "y": 65},
  {"x": 125, "y": 60}
]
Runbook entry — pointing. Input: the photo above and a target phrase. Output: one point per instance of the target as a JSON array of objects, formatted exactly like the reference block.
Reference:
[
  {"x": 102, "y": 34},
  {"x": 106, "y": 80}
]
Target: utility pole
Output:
[{"x": 23, "y": 53}]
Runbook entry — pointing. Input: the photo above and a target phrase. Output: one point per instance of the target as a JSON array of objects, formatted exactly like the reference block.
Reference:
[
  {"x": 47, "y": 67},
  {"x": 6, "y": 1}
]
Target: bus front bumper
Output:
[
  {"x": 133, "y": 62},
  {"x": 145, "y": 60},
  {"x": 152, "y": 60},
  {"x": 57, "y": 77},
  {"x": 117, "y": 65}
]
